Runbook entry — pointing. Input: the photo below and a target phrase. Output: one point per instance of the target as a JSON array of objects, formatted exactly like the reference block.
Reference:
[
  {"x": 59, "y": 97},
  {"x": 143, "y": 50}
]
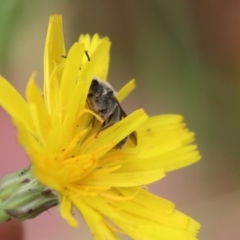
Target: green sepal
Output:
[
  {"x": 3, "y": 215},
  {"x": 23, "y": 197}
]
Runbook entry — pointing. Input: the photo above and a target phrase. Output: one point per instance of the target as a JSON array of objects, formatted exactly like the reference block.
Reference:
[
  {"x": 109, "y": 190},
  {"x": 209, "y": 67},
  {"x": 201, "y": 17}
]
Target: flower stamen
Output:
[{"x": 68, "y": 151}]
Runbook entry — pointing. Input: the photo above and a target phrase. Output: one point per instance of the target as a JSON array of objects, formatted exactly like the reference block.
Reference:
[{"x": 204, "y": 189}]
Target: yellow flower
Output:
[{"x": 104, "y": 184}]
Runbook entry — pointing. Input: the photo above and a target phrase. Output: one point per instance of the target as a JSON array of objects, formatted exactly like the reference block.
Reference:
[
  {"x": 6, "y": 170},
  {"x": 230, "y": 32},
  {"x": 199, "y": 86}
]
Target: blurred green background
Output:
[{"x": 185, "y": 56}]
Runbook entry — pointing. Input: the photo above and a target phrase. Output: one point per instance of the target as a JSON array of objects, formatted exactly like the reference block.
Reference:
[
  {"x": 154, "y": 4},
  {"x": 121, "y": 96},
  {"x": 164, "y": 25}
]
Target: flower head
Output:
[{"x": 82, "y": 167}]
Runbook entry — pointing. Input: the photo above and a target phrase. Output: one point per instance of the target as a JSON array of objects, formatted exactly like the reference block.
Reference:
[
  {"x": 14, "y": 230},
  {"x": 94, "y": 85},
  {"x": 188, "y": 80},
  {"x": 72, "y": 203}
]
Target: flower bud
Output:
[{"x": 23, "y": 197}]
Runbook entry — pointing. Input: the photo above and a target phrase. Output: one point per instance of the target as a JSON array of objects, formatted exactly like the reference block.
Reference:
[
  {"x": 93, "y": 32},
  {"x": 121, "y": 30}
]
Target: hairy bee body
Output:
[{"x": 101, "y": 99}]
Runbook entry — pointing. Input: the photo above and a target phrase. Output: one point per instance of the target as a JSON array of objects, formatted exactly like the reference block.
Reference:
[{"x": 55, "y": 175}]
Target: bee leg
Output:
[
  {"x": 93, "y": 121},
  {"x": 104, "y": 126},
  {"x": 112, "y": 119}
]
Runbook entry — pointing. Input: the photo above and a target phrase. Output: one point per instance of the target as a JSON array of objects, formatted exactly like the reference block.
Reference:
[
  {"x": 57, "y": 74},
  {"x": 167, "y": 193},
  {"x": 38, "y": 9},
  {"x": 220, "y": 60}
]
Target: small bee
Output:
[{"x": 102, "y": 100}]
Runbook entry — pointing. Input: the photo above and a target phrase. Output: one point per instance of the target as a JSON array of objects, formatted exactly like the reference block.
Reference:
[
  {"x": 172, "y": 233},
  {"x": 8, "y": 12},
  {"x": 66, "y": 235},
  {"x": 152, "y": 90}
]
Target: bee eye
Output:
[
  {"x": 110, "y": 93},
  {"x": 94, "y": 86},
  {"x": 94, "y": 83}
]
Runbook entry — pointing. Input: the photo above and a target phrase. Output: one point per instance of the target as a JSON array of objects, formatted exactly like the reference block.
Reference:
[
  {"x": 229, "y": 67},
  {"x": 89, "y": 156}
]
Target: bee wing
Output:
[{"x": 133, "y": 135}]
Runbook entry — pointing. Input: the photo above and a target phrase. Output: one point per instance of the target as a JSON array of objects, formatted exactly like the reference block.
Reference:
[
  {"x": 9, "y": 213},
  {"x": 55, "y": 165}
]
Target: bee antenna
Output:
[{"x": 87, "y": 56}]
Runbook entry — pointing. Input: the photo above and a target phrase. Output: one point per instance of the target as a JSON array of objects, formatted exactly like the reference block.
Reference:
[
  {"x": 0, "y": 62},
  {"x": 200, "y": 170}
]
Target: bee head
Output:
[{"x": 94, "y": 87}]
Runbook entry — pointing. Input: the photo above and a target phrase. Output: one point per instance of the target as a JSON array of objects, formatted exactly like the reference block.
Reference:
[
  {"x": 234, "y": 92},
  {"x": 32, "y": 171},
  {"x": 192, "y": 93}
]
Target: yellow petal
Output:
[
  {"x": 152, "y": 230},
  {"x": 86, "y": 39},
  {"x": 53, "y": 57},
  {"x": 164, "y": 142},
  {"x": 179, "y": 158},
  {"x": 78, "y": 101},
  {"x": 127, "y": 179},
  {"x": 94, "y": 43},
  {"x": 95, "y": 221},
  {"x": 14, "y": 104},
  {"x": 152, "y": 202},
  {"x": 28, "y": 141},
  {"x": 124, "y": 92},
  {"x": 101, "y": 55},
  {"x": 70, "y": 73},
  {"x": 41, "y": 119},
  {"x": 115, "y": 133},
  {"x": 158, "y": 210},
  {"x": 141, "y": 227},
  {"x": 65, "y": 209},
  {"x": 161, "y": 120}
]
